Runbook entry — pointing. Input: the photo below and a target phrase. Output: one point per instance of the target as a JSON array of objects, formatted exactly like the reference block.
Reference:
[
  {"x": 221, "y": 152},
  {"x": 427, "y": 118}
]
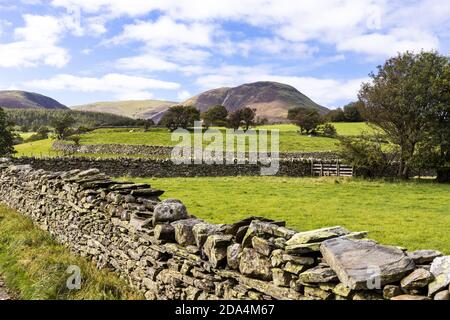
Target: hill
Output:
[
  {"x": 271, "y": 100},
  {"x": 14, "y": 99},
  {"x": 137, "y": 109}
]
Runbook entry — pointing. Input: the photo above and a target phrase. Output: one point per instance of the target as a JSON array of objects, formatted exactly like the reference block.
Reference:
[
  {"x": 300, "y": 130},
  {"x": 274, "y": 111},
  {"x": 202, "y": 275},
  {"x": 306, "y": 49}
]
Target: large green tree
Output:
[
  {"x": 6, "y": 135},
  {"x": 215, "y": 116},
  {"x": 180, "y": 117},
  {"x": 404, "y": 100},
  {"x": 63, "y": 126},
  {"x": 307, "y": 119}
]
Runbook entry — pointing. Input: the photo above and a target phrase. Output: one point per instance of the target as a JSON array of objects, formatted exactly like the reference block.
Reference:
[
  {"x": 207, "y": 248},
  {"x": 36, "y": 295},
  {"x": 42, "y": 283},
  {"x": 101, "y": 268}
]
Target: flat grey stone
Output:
[
  {"x": 318, "y": 235},
  {"x": 424, "y": 256},
  {"x": 360, "y": 264}
]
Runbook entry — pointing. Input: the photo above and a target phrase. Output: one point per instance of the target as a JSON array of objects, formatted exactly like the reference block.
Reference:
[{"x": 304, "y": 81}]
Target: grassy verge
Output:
[
  {"x": 34, "y": 266},
  {"x": 415, "y": 215}
]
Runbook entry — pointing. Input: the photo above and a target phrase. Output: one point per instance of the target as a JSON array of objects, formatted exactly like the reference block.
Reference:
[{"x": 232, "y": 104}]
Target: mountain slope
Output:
[
  {"x": 137, "y": 109},
  {"x": 14, "y": 99},
  {"x": 271, "y": 100}
]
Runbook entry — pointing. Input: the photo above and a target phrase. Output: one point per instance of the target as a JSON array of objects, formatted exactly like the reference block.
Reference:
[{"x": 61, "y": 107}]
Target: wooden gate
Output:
[{"x": 331, "y": 169}]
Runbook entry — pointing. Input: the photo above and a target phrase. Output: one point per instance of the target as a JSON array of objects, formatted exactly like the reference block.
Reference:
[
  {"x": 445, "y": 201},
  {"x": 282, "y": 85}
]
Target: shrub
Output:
[
  {"x": 369, "y": 155},
  {"x": 328, "y": 130}
]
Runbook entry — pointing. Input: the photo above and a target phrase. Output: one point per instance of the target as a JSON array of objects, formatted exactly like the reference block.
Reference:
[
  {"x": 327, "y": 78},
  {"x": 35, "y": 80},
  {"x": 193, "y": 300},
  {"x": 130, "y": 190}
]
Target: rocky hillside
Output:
[
  {"x": 270, "y": 99},
  {"x": 137, "y": 109},
  {"x": 27, "y": 100}
]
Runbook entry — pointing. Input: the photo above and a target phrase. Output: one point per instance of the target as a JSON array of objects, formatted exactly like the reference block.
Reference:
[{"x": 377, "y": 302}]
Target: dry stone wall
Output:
[
  {"x": 163, "y": 151},
  {"x": 138, "y": 167},
  {"x": 168, "y": 253}
]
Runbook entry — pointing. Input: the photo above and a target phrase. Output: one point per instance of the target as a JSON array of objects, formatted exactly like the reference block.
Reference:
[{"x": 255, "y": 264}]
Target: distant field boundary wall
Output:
[
  {"x": 163, "y": 151},
  {"x": 162, "y": 168}
]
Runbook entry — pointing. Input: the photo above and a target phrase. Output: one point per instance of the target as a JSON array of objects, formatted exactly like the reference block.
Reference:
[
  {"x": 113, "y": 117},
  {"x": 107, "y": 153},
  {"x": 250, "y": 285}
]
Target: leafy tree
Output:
[
  {"x": 434, "y": 152},
  {"x": 234, "y": 119},
  {"x": 404, "y": 100},
  {"x": 62, "y": 126},
  {"x": 336, "y": 115},
  {"x": 307, "y": 119},
  {"x": 247, "y": 117},
  {"x": 180, "y": 117},
  {"x": 146, "y": 123},
  {"x": 215, "y": 116},
  {"x": 353, "y": 112},
  {"x": 6, "y": 135}
]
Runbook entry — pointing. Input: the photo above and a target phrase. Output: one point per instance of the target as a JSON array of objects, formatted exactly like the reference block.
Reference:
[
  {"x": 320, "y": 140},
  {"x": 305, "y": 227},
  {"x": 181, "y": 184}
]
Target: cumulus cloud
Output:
[
  {"x": 122, "y": 86},
  {"x": 166, "y": 32},
  {"x": 37, "y": 43}
]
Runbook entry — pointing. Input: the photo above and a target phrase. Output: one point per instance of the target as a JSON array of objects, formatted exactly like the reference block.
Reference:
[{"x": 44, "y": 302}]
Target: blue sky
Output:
[{"x": 81, "y": 51}]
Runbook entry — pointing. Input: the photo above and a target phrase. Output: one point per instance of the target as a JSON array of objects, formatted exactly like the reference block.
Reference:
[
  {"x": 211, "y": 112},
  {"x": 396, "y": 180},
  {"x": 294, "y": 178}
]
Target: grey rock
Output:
[
  {"x": 442, "y": 296},
  {"x": 357, "y": 262},
  {"x": 424, "y": 256},
  {"x": 281, "y": 278},
  {"x": 318, "y": 235},
  {"x": 408, "y": 297},
  {"x": 318, "y": 275},
  {"x": 164, "y": 232},
  {"x": 215, "y": 249},
  {"x": 294, "y": 268},
  {"x": 262, "y": 246},
  {"x": 440, "y": 268},
  {"x": 418, "y": 279},
  {"x": 233, "y": 255},
  {"x": 183, "y": 231},
  {"x": 391, "y": 291},
  {"x": 254, "y": 265},
  {"x": 169, "y": 210},
  {"x": 203, "y": 230}
]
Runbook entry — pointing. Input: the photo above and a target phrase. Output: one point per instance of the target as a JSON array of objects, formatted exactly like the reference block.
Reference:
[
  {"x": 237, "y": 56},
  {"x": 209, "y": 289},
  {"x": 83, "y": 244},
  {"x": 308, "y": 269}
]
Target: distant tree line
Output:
[
  {"x": 185, "y": 116},
  {"x": 30, "y": 120},
  {"x": 352, "y": 112}
]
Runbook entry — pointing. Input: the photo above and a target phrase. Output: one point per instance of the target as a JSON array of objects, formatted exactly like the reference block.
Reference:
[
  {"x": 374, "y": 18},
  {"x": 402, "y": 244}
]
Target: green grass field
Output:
[
  {"x": 415, "y": 215},
  {"x": 290, "y": 139},
  {"x": 34, "y": 266}
]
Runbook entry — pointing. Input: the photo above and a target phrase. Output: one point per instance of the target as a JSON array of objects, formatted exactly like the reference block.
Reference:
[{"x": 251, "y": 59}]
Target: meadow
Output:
[
  {"x": 415, "y": 214},
  {"x": 290, "y": 139},
  {"x": 34, "y": 266}
]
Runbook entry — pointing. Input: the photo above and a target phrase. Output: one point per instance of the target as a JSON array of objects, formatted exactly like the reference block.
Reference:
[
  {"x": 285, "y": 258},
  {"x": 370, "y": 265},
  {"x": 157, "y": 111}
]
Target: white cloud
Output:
[
  {"x": 382, "y": 45},
  {"x": 36, "y": 44},
  {"x": 122, "y": 86},
  {"x": 345, "y": 24},
  {"x": 183, "y": 95},
  {"x": 166, "y": 32},
  {"x": 145, "y": 62}
]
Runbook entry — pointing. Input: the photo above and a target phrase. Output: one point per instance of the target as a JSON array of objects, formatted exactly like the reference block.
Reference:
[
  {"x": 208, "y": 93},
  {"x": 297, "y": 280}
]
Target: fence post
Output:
[
  {"x": 321, "y": 168},
  {"x": 338, "y": 169}
]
